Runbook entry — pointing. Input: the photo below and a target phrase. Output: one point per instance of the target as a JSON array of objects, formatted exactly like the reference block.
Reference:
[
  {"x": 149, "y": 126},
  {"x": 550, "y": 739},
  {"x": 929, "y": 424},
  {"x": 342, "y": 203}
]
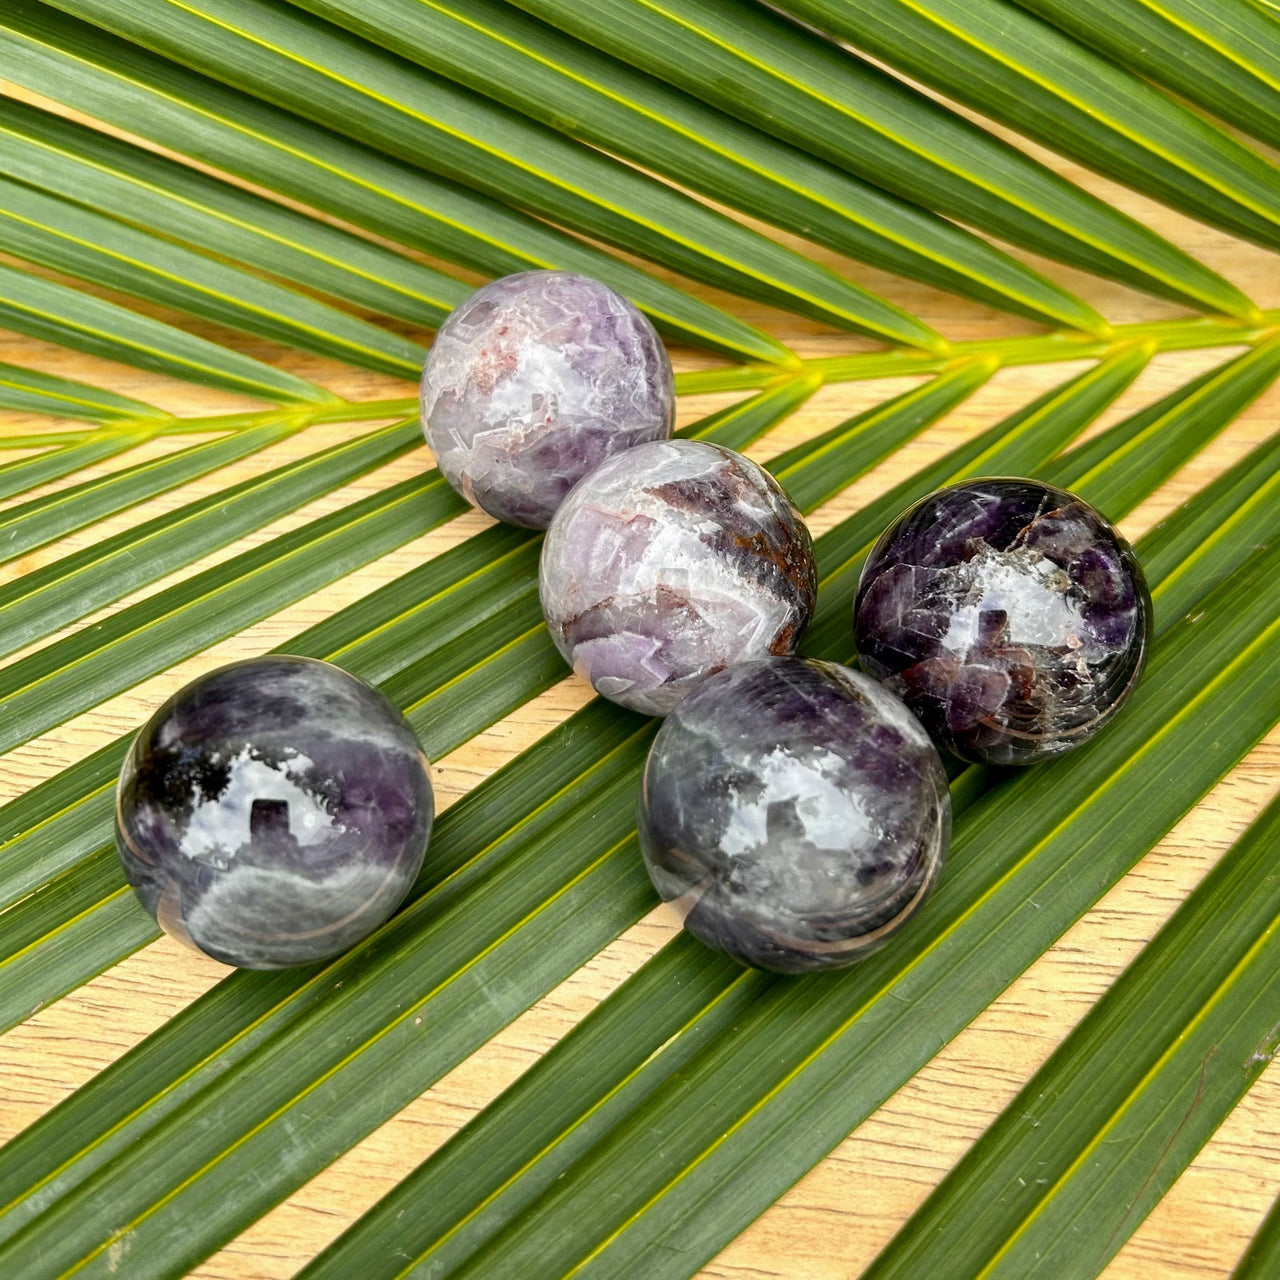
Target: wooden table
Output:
[{"x": 834, "y": 1220}]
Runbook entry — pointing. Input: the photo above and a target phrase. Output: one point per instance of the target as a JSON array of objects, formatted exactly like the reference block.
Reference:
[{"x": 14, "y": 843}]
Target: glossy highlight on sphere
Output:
[
  {"x": 535, "y": 380},
  {"x": 668, "y": 563},
  {"x": 273, "y": 812},
  {"x": 1010, "y": 616},
  {"x": 795, "y": 811}
]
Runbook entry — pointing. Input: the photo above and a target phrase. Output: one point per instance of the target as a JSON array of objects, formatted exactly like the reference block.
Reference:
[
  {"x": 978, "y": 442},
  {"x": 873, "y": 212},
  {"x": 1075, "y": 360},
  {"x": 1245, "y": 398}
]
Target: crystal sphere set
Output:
[{"x": 276, "y": 811}]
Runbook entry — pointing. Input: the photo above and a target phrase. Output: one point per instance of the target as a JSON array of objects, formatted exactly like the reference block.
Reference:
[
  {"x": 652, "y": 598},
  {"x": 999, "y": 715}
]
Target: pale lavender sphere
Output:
[
  {"x": 535, "y": 380},
  {"x": 670, "y": 562}
]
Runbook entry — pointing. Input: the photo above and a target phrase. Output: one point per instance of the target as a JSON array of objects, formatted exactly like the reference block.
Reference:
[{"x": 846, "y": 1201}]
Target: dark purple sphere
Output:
[
  {"x": 795, "y": 811},
  {"x": 1010, "y": 616},
  {"x": 535, "y": 380},
  {"x": 273, "y": 812}
]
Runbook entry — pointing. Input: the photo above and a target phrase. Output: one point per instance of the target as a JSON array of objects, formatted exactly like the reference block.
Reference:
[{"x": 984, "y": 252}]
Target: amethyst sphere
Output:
[
  {"x": 795, "y": 811},
  {"x": 535, "y": 380},
  {"x": 1010, "y": 616},
  {"x": 669, "y": 562},
  {"x": 273, "y": 812}
]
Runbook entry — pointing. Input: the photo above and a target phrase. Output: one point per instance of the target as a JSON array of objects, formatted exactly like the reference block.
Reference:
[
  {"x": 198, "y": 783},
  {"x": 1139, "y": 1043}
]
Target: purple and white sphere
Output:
[
  {"x": 535, "y": 380},
  {"x": 273, "y": 812},
  {"x": 1010, "y": 616},
  {"x": 669, "y": 562},
  {"x": 795, "y": 812}
]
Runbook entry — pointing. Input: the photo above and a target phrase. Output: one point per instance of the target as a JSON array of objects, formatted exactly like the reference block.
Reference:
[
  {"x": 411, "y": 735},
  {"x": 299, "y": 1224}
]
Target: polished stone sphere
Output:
[
  {"x": 669, "y": 562},
  {"x": 795, "y": 811},
  {"x": 535, "y": 380},
  {"x": 1010, "y": 616},
  {"x": 273, "y": 812}
]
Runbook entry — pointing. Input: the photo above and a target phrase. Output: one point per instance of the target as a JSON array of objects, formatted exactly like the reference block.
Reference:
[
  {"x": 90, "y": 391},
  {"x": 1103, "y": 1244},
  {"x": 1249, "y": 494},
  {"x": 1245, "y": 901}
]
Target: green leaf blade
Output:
[
  {"x": 80, "y": 242},
  {"x": 484, "y": 1176},
  {"x": 1110, "y": 470},
  {"x": 57, "y": 824},
  {"x": 1262, "y": 1257},
  {"x": 42, "y": 520},
  {"x": 137, "y": 186},
  {"x": 107, "y": 78},
  {"x": 253, "y": 1089},
  {"x": 30, "y": 391},
  {"x": 322, "y": 72},
  {"x": 70, "y": 675},
  {"x": 1022, "y": 71},
  {"x": 43, "y": 309},
  {"x": 1100, "y": 1132},
  {"x": 770, "y": 73},
  {"x": 855, "y": 445},
  {"x": 63, "y": 591},
  {"x": 1221, "y": 54},
  {"x": 1221, "y": 525},
  {"x": 21, "y": 474},
  {"x": 493, "y": 49}
]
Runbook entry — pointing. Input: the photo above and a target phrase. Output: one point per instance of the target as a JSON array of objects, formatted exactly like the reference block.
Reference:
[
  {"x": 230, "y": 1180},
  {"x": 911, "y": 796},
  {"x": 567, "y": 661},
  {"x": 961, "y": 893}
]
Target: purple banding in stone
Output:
[
  {"x": 670, "y": 562},
  {"x": 535, "y": 380},
  {"x": 795, "y": 811},
  {"x": 273, "y": 812},
  {"x": 1010, "y": 616}
]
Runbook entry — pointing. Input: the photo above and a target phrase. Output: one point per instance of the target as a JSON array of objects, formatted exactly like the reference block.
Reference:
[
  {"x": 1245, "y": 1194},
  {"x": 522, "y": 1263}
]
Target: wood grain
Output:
[{"x": 832, "y": 1223}]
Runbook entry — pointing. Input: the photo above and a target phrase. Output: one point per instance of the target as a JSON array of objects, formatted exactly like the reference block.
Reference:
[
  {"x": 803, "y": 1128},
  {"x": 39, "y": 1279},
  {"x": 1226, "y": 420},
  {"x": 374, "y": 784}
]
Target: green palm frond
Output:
[
  {"x": 798, "y": 87},
  {"x": 1167, "y": 1040},
  {"x": 1016, "y": 68},
  {"x": 253, "y": 202},
  {"x": 570, "y": 86},
  {"x": 45, "y": 309},
  {"x": 30, "y": 392},
  {"x": 1222, "y": 57},
  {"x": 276, "y": 51},
  {"x": 137, "y": 186},
  {"x": 84, "y": 67}
]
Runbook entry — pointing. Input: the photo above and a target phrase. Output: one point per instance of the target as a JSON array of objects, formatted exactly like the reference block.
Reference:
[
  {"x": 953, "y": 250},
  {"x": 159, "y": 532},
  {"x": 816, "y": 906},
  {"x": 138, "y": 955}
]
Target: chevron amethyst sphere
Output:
[
  {"x": 533, "y": 381},
  {"x": 273, "y": 812},
  {"x": 669, "y": 562},
  {"x": 795, "y": 811},
  {"x": 1011, "y": 617}
]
